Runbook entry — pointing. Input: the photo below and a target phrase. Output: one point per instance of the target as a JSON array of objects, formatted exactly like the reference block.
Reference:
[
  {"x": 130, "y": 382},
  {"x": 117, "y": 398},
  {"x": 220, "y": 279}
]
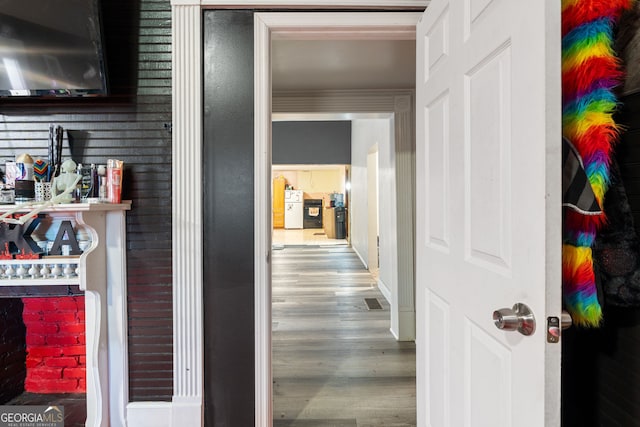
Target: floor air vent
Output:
[{"x": 373, "y": 304}]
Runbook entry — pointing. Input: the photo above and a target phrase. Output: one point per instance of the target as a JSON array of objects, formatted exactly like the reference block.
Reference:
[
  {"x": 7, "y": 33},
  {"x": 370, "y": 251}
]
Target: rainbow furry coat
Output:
[{"x": 590, "y": 72}]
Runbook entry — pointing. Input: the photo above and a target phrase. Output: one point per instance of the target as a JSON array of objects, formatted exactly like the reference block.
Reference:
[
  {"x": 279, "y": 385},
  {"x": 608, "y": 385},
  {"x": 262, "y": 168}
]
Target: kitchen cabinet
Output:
[{"x": 278, "y": 202}]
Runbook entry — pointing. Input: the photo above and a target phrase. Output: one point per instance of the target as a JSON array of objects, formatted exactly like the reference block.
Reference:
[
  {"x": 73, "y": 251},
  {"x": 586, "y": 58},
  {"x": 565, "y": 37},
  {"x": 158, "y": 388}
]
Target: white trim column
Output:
[
  {"x": 405, "y": 161},
  {"x": 262, "y": 188},
  {"x": 187, "y": 402}
]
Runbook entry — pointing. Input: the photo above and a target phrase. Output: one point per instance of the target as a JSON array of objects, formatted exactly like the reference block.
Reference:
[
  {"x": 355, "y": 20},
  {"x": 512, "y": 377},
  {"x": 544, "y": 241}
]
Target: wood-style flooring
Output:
[
  {"x": 75, "y": 405},
  {"x": 335, "y": 363}
]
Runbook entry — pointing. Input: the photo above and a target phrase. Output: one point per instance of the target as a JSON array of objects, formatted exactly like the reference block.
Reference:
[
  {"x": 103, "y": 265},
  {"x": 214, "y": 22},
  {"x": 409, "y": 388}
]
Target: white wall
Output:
[
  {"x": 366, "y": 133},
  {"x": 317, "y": 181}
]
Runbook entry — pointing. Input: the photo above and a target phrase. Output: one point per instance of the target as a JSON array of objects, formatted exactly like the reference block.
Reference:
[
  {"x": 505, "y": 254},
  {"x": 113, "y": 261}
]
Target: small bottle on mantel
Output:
[
  {"x": 94, "y": 187},
  {"x": 95, "y": 181},
  {"x": 77, "y": 194},
  {"x": 102, "y": 189}
]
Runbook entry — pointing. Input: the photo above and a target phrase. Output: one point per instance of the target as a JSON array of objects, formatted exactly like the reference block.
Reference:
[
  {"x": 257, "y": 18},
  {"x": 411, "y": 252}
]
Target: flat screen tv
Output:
[{"x": 51, "y": 48}]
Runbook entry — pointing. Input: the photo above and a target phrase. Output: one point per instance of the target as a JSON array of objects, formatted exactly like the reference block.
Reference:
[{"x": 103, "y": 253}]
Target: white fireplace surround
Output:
[
  {"x": 186, "y": 408},
  {"x": 102, "y": 275}
]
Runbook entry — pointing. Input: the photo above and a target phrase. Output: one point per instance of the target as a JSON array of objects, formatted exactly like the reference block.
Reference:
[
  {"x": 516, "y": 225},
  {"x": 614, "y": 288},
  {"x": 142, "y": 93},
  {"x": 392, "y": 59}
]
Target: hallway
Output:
[{"x": 335, "y": 363}]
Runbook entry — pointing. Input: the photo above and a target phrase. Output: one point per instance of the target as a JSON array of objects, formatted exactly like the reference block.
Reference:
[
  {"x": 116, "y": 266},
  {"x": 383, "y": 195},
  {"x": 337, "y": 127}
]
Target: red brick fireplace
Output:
[
  {"x": 55, "y": 339},
  {"x": 63, "y": 333}
]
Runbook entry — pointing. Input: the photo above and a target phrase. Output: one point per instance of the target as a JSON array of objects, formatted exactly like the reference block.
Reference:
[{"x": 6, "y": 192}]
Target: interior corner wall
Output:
[
  {"x": 365, "y": 133},
  {"x": 228, "y": 219}
]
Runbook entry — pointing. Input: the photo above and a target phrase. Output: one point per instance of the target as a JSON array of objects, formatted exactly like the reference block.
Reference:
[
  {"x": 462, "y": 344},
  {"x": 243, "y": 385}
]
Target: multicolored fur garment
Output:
[{"x": 590, "y": 72}]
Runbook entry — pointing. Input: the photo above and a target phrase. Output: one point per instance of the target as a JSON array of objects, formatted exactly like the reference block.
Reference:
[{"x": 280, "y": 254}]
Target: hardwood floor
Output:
[
  {"x": 335, "y": 363},
  {"x": 306, "y": 236},
  {"x": 75, "y": 405}
]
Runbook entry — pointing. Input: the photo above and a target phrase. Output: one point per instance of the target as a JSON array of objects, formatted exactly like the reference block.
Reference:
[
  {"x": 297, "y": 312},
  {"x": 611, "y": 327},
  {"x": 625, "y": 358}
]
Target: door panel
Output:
[
  {"x": 487, "y": 142},
  {"x": 437, "y": 161},
  {"x": 488, "y": 232}
]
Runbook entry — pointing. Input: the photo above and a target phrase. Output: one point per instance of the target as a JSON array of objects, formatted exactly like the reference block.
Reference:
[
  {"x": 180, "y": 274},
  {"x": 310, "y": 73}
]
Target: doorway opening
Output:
[
  {"x": 306, "y": 198},
  {"x": 187, "y": 205},
  {"x": 396, "y": 113}
]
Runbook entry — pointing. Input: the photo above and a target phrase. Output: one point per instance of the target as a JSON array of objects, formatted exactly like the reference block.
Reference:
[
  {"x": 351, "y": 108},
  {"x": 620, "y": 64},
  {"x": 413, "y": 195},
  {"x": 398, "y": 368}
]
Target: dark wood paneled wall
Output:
[{"x": 133, "y": 124}]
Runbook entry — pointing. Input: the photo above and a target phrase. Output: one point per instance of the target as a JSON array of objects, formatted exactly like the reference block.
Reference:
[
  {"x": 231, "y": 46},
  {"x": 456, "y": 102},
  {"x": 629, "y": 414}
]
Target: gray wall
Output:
[
  {"x": 312, "y": 142},
  {"x": 228, "y": 229}
]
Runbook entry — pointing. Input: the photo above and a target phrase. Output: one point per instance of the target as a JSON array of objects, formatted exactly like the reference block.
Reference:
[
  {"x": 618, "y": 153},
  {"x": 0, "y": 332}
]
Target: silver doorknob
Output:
[{"x": 519, "y": 318}]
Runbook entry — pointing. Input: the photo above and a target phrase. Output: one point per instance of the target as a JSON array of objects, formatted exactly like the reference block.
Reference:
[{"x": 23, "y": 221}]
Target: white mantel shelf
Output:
[
  {"x": 102, "y": 275},
  {"x": 73, "y": 207}
]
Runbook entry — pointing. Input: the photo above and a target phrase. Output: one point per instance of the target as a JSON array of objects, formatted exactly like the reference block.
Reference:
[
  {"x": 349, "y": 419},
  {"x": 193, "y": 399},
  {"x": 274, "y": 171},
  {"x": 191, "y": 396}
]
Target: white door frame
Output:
[
  {"x": 295, "y": 25},
  {"x": 187, "y": 221},
  {"x": 373, "y": 232}
]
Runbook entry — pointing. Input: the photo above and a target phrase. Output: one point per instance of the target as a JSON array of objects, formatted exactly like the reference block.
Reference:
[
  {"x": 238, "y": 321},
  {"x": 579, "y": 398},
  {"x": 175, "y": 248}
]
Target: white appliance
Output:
[{"x": 293, "y": 208}]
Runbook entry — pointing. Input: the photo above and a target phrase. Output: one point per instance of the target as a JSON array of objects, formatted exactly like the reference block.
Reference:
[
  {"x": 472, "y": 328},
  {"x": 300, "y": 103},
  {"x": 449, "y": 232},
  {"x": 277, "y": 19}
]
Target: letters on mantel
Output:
[{"x": 16, "y": 241}]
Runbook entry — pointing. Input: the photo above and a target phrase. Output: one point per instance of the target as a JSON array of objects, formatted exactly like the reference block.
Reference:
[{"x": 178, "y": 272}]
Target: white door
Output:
[{"x": 488, "y": 211}]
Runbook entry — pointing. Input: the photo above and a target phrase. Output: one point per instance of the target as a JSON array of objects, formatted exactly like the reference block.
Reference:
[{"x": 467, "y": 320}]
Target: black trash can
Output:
[{"x": 341, "y": 224}]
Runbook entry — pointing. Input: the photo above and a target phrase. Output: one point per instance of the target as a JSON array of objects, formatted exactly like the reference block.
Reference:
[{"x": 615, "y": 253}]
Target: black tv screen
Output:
[{"x": 51, "y": 48}]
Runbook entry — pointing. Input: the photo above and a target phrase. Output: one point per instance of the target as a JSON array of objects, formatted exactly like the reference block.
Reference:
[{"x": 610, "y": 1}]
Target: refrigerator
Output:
[{"x": 293, "y": 209}]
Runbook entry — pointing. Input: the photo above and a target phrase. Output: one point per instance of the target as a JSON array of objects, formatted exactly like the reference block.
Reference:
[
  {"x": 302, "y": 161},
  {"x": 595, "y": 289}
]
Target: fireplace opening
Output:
[{"x": 43, "y": 352}]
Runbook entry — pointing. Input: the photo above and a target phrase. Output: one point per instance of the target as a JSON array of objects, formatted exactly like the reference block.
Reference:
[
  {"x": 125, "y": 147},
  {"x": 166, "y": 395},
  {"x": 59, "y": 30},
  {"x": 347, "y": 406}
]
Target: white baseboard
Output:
[
  {"x": 384, "y": 289},
  {"x": 407, "y": 325},
  {"x": 186, "y": 411},
  {"x": 360, "y": 256},
  {"x": 150, "y": 414}
]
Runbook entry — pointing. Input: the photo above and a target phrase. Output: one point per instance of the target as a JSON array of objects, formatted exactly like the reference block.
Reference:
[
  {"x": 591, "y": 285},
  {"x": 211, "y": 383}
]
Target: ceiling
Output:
[{"x": 343, "y": 64}]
